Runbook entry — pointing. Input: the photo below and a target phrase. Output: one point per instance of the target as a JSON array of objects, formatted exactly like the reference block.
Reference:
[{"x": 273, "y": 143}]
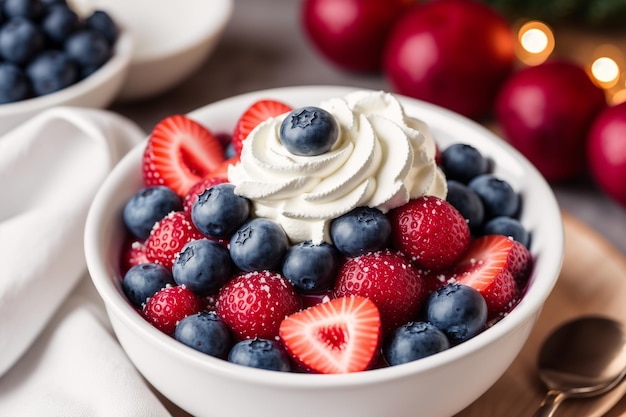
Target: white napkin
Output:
[{"x": 58, "y": 355}]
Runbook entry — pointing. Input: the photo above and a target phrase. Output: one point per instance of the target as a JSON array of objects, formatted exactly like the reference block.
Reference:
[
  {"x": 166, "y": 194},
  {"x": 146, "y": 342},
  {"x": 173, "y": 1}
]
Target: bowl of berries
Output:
[
  {"x": 323, "y": 251},
  {"x": 50, "y": 56}
]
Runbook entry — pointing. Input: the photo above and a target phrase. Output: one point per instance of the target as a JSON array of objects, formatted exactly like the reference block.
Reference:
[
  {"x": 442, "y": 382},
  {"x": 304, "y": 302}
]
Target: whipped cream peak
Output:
[{"x": 382, "y": 158}]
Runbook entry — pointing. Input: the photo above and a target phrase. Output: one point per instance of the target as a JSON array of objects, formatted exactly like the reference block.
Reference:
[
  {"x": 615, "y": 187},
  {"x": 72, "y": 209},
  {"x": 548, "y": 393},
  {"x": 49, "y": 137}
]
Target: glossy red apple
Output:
[
  {"x": 606, "y": 152},
  {"x": 454, "y": 53},
  {"x": 546, "y": 112},
  {"x": 351, "y": 33}
]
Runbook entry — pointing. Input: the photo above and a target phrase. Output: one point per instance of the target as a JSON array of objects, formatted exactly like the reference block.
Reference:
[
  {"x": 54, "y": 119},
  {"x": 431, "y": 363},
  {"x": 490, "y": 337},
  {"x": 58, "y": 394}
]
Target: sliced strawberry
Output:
[
  {"x": 388, "y": 279},
  {"x": 430, "y": 231},
  {"x": 255, "y": 303},
  {"x": 169, "y": 306},
  {"x": 255, "y": 114},
  {"x": 180, "y": 152},
  {"x": 520, "y": 264},
  {"x": 168, "y": 237},
  {"x": 486, "y": 267},
  {"x": 222, "y": 169},
  {"x": 133, "y": 253},
  {"x": 338, "y": 336}
]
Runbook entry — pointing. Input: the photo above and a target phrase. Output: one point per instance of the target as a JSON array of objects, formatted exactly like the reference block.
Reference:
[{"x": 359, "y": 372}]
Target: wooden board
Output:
[{"x": 592, "y": 281}]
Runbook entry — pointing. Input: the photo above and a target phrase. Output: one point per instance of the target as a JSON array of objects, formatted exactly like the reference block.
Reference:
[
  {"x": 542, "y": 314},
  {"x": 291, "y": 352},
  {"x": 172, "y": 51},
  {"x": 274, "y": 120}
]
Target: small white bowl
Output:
[
  {"x": 172, "y": 39},
  {"x": 96, "y": 91},
  {"x": 437, "y": 386}
]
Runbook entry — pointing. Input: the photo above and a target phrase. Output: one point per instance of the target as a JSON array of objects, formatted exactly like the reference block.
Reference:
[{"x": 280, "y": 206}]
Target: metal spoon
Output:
[{"x": 582, "y": 358}]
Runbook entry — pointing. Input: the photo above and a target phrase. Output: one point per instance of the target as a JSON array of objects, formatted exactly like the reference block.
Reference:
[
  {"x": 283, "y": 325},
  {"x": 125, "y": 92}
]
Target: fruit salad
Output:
[{"x": 331, "y": 238}]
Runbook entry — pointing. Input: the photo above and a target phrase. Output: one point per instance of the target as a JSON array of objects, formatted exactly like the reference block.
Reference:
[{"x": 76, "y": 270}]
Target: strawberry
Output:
[
  {"x": 338, "y": 336},
  {"x": 487, "y": 267},
  {"x": 258, "y": 112},
  {"x": 169, "y": 306},
  {"x": 133, "y": 253},
  {"x": 180, "y": 152},
  {"x": 168, "y": 237},
  {"x": 430, "y": 231},
  {"x": 197, "y": 189},
  {"x": 254, "y": 304},
  {"x": 222, "y": 169},
  {"x": 520, "y": 263},
  {"x": 388, "y": 279}
]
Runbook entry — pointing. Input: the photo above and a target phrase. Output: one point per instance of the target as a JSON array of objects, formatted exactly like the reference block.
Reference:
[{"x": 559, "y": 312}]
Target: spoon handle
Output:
[{"x": 550, "y": 403}]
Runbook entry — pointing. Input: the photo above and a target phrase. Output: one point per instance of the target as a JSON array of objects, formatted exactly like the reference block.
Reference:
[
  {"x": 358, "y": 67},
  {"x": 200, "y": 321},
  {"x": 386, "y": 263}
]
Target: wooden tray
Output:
[{"x": 592, "y": 281}]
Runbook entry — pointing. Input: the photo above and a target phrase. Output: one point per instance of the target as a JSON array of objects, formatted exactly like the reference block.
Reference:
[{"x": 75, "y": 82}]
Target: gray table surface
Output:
[{"x": 264, "y": 47}]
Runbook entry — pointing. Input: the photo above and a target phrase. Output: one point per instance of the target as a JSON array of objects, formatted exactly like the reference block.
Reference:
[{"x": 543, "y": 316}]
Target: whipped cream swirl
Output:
[{"x": 382, "y": 158}]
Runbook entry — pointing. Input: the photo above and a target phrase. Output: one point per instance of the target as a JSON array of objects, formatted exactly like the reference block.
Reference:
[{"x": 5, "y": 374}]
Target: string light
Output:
[{"x": 606, "y": 66}]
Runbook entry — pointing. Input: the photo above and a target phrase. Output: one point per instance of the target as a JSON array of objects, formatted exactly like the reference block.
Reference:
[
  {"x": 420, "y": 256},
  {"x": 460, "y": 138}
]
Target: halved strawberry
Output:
[
  {"x": 258, "y": 112},
  {"x": 180, "y": 152},
  {"x": 339, "y": 336},
  {"x": 486, "y": 266}
]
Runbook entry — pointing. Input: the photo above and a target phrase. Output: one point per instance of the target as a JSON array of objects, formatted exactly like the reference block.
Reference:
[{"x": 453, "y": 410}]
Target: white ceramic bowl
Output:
[
  {"x": 173, "y": 39},
  {"x": 96, "y": 91},
  {"x": 437, "y": 386}
]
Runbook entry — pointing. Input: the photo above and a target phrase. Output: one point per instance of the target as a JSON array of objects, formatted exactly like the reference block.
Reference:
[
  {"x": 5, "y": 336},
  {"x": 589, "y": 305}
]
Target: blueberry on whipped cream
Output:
[{"x": 381, "y": 158}]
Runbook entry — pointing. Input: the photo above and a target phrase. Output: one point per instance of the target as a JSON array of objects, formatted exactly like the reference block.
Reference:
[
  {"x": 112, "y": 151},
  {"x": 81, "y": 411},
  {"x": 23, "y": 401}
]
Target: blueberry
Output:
[
  {"x": 459, "y": 311},
  {"x": 309, "y": 131},
  {"x": 20, "y": 40},
  {"x": 468, "y": 203},
  {"x": 30, "y": 9},
  {"x": 360, "y": 231},
  {"x": 462, "y": 162},
  {"x": 51, "y": 71},
  {"x": 59, "y": 23},
  {"x": 261, "y": 354},
  {"x": 497, "y": 195},
  {"x": 205, "y": 332},
  {"x": 311, "y": 268},
  {"x": 147, "y": 206},
  {"x": 88, "y": 48},
  {"x": 413, "y": 341},
  {"x": 143, "y": 281},
  {"x": 13, "y": 83},
  {"x": 258, "y": 245},
  {"x": 203, "y": 266},
  {"x": 508, "y": 226},
  {"x": 102, "y": 22},
  {"x": 218, "y": 211}
]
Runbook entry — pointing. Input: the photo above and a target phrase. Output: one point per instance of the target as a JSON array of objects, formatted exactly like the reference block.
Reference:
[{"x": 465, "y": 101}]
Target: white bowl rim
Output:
[
  {"x": 527, "y": 308},
  {"x": 221, "y": 11},
  {"x": 119, "y": 62}
]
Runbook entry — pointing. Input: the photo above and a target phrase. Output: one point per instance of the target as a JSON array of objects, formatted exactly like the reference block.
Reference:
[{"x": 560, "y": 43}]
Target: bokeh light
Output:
[{"x": 535, "y": 42}]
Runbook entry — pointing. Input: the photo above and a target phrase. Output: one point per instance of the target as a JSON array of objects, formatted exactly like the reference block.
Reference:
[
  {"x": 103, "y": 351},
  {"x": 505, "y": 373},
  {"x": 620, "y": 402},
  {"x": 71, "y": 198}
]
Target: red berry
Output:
[
  {"x": 169, "y": 306},
  {"x": 430, "y": 231},
  {"x": 388, "y": 279},
  {"x": 338, "y": 336},
  {"x": 254, "y": 304},
  {"x": 133, "y": 253},
  {"x": 258, "y": 112},
  {"x": 197, "y": 189},
  {"x": 168, "y": 237},
  {"x": 520, "y": 263},
  {"x": 487, "y": 267},
  {"x": 180, "y": 152}
]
